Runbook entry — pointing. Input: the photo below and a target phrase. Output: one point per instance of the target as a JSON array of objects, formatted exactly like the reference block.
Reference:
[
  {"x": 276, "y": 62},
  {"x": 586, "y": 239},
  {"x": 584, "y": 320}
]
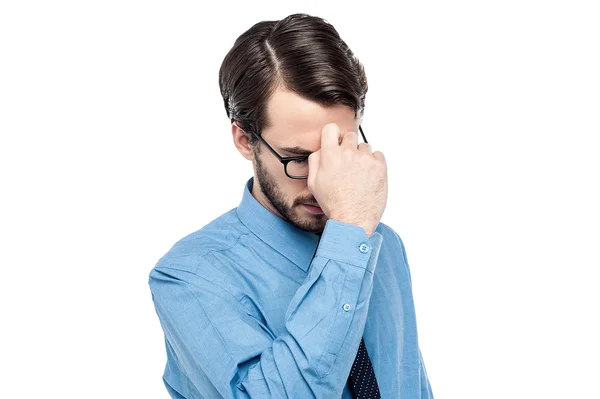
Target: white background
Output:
[{"x": 115, "y": 144}]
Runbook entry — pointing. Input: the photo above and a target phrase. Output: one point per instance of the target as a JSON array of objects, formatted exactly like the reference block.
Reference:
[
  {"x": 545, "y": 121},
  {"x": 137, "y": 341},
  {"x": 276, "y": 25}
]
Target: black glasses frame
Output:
[{"x": 286, "y": 160}]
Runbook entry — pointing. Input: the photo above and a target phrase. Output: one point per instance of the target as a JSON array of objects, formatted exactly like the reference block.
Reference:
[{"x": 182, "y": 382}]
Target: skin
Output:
[{"x": 292, "y": 121}]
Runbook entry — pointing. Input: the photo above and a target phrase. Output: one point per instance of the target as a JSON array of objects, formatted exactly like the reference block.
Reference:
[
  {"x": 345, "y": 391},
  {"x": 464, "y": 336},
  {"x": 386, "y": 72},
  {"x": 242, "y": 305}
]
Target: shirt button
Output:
[
  {"x": 364, "y": 248},
  {"x": 347, "y": 307}
]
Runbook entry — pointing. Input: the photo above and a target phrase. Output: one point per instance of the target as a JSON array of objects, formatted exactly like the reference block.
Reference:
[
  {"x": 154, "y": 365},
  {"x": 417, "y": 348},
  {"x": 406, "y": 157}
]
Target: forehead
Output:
[{"x": 295, "y": 121}]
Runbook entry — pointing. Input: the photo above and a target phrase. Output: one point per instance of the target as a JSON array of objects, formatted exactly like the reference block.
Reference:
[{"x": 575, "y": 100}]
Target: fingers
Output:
[
  {"x": 313, "y": 167},
  {"x": 350, "y": 140},
  {"x": 330, "y": 136},
  {"x": 365, "y": 147},
  {"x": 379, "y": 155}
]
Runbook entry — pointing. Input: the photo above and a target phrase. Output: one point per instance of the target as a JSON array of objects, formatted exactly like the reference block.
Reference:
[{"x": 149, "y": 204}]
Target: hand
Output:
[{"x": 348, "y": 180}]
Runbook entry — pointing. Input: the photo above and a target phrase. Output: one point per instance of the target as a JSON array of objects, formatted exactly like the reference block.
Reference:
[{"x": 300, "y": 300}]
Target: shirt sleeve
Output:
[
  {"x": 426, "y": 392},
  {"x": 219, "y": 345}
]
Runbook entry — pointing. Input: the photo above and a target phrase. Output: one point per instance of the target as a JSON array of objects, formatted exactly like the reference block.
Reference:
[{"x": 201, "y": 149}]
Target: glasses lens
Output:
[{"x": 298, "y": 168}]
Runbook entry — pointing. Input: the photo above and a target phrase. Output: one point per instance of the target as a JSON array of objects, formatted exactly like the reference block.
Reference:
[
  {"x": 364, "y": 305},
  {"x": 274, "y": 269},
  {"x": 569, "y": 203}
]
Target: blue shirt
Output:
[{"x": 253, "y": 307}]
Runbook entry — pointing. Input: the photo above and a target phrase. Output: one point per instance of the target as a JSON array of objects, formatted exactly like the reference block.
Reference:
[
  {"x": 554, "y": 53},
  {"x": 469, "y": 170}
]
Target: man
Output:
[{"x": 300, "y": 291}]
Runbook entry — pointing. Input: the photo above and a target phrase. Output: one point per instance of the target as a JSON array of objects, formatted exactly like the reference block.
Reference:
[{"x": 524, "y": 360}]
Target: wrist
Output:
[{"x": 367, "y": 227}]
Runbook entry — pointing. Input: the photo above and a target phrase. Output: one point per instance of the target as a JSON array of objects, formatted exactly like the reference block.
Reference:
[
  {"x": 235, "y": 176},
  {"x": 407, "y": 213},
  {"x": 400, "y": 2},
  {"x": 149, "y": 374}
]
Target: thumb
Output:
[{"x": 314, "y": 160}]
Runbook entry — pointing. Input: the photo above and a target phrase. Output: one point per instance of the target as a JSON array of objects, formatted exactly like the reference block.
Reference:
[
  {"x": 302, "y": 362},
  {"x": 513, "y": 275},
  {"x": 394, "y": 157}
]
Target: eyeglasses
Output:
[{"x": 296, "y": 167}]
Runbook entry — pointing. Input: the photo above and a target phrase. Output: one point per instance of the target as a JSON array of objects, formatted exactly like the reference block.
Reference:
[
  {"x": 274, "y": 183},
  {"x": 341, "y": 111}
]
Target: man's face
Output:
[{"x": 293, "y": 121}]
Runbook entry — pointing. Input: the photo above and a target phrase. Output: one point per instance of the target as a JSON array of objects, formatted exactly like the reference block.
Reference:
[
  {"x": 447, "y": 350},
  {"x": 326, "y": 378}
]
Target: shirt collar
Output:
[{"x": 295, "y": 244}]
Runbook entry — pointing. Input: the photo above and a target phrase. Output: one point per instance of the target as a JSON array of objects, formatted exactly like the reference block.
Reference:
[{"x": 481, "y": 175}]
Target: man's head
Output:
[{"x": 284, "y": 80}]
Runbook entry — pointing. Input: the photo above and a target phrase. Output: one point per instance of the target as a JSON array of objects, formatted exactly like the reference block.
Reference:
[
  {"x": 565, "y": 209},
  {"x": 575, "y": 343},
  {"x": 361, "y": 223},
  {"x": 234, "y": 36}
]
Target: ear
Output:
[{"x": 240, "y": 140}]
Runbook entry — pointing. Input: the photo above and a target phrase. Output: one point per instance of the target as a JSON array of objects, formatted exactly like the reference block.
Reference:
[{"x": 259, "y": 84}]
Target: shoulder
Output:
[
  {"x": 192, "y": 252},
  {"x": 391, "y": 240},
  {"x": 389, "y": 234}
]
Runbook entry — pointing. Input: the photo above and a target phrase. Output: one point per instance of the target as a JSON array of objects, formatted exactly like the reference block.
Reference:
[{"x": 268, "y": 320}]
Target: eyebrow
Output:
[{"x": 297, "y": 150}]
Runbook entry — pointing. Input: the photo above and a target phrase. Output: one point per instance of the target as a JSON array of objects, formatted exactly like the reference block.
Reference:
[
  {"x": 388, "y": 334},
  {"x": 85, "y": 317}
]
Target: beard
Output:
[{"x": 290, "y": 213}]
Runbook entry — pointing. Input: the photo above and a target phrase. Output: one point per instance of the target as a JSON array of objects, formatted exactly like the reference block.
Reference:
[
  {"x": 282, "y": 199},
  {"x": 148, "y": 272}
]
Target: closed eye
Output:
[{"x": 297, "y": 151}]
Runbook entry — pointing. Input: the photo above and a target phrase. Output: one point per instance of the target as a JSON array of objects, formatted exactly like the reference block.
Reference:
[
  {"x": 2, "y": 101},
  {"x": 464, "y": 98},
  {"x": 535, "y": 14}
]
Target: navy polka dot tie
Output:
[{"x": 362, "y": 377}]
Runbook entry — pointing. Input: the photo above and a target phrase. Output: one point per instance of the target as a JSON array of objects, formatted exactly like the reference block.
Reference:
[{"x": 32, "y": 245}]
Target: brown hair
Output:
[{"x": 303, "y": 54}]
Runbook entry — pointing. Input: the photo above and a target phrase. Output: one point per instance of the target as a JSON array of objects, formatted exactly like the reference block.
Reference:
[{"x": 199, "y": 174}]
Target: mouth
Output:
[{"x": 313, "y": 208}]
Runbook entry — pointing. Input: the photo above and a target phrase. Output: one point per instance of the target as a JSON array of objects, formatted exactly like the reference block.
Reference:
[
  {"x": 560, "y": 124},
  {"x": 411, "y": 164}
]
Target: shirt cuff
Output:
[{"x": 349, "y": 243}]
